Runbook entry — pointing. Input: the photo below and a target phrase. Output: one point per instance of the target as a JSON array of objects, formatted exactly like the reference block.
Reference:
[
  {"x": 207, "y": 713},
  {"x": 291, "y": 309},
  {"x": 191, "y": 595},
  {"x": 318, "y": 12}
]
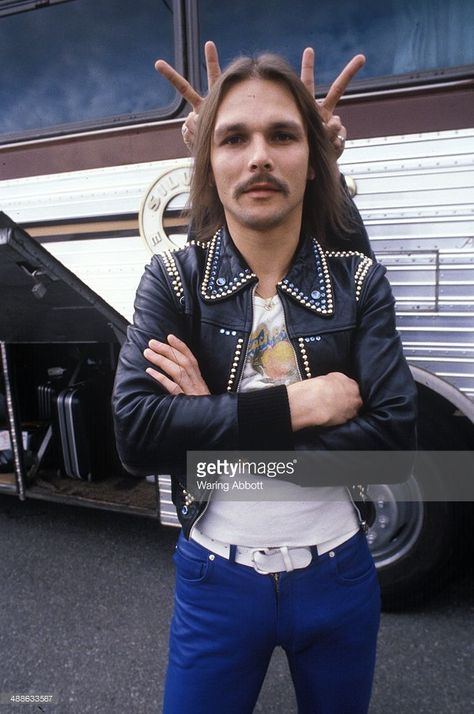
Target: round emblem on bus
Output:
[{"x": 162, "y": 222}]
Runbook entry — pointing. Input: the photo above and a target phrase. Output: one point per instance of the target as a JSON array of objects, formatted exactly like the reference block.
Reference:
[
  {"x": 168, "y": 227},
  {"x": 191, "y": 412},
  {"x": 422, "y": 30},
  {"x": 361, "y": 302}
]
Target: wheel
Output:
[{"x": 411, "y": 540}]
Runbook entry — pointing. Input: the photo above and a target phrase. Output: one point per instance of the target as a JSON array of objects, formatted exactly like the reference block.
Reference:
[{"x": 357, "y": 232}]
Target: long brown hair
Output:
[{"x": 325, "y": 202}]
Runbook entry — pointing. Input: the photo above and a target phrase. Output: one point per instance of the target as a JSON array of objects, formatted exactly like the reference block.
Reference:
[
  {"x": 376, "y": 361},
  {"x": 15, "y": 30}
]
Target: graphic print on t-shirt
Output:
[{"x": 270, "y": 354}]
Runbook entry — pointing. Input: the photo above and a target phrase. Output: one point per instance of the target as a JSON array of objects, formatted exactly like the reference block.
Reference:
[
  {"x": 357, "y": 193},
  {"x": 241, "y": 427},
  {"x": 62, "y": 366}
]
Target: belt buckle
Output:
[
  {"x": 287, "y": 562},
  {"x": 263, "y": 551}
]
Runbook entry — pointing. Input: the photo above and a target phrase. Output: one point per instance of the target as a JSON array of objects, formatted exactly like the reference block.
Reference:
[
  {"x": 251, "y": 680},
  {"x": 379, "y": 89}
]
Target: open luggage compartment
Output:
[{"x": 59, "y": 345}]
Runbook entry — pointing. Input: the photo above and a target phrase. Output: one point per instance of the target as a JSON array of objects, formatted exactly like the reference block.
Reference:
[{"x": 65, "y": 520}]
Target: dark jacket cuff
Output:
[{"x": 265, "y": 420}]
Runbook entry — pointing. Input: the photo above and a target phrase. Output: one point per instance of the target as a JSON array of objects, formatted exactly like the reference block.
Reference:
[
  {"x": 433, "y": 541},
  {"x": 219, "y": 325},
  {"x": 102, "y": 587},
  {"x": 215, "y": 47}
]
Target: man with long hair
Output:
[{"x": 269, "y": 332}]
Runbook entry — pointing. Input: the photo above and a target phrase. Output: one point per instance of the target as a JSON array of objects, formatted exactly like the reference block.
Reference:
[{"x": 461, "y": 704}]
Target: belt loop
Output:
[{"x": 232, "y": 553}]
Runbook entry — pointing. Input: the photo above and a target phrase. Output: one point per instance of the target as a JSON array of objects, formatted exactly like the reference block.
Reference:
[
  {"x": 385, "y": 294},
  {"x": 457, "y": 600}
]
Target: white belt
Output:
[{"x": 267, "y": 560}]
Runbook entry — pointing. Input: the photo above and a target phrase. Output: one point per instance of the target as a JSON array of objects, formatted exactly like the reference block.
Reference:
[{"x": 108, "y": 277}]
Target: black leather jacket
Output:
[{"x": 339, "y": 316}]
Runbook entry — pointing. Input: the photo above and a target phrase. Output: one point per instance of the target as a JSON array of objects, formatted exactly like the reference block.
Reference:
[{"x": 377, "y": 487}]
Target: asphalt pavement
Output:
[{"x": 86, "y": 601}]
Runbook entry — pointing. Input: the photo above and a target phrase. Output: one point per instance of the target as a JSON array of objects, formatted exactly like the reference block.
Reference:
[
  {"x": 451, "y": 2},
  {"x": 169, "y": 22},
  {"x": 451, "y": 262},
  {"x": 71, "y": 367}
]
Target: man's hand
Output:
[
  {"x": 182, "y": 373},
  {"x": 188, "y": 93},
  {"x": 182, "y": 85},
  {"x": 336, "y": 131},
  {"x": 330, "y": 400}
]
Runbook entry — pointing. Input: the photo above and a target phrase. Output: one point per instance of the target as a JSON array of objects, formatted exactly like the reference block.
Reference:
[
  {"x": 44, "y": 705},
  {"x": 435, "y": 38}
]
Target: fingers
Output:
[
  {"x": 307, "y": 69},
  {"x": 340, "y": 399},
  {"x": 178, "y": 363},
  {"x": 182, "y": 85},
  {"x": 170, "y": 386},
  {"x": 186, "y": 90},
  {"x": 328, "y": 400},
  {"x": 339, "y": 86},
  {"x": 347, "y": 389},
  {"x": 179, "y": 83},
  {"x": 181, "y": 350},
  {"x": 169, "y": 366},
  {"x": 189, "y": 129},
  {"x": 212, "y": 63},
  {"x": 175, "y": 359},
  {"x": 336, "y": 134}
]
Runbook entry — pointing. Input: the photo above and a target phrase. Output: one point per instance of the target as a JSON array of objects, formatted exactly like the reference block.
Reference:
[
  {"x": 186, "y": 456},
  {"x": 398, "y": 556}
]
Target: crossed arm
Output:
[
  {"x": 159, "y": 417},
  {"x": 330, "y": 400}
]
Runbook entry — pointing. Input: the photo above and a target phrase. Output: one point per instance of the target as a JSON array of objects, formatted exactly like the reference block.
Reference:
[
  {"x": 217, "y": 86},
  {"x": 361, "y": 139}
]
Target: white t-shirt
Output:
[{"x": 290, "y": 515}]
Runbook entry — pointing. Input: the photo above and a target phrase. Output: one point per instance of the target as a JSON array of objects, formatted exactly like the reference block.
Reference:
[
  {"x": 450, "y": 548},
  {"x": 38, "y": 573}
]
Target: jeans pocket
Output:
[
  {"x": 191, "y": 568},
  {"x": 353, "y": 562}
]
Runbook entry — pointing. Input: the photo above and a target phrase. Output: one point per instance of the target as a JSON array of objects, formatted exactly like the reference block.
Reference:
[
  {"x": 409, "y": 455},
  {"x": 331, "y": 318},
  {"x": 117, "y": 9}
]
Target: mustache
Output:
[{"x": 258, "y": 179}]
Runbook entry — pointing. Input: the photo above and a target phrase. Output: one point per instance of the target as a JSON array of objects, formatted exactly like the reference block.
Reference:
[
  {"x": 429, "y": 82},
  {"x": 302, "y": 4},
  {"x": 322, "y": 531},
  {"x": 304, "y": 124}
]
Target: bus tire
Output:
[{"x": 411, "y": 540}]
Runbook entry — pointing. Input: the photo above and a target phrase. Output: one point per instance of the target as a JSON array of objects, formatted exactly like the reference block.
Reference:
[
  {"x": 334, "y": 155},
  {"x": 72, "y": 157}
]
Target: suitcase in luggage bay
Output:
[
  {"x": 47, "y": 393},
  {"x": 78, "y": 431}
]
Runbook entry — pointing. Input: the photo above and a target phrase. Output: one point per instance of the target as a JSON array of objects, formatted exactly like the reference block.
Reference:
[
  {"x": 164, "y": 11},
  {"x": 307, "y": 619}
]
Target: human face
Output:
[{"x": 260, "y": 157}]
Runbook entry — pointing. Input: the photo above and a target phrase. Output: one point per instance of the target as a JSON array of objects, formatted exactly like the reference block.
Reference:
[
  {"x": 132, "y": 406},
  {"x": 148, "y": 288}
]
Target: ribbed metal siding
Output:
[{"x": 416, "y": 196}]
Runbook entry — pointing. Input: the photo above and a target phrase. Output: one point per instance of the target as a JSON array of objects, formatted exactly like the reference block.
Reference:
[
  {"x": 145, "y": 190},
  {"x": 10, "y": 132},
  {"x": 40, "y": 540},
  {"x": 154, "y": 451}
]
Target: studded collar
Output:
[{"x": 226, "y": 273}]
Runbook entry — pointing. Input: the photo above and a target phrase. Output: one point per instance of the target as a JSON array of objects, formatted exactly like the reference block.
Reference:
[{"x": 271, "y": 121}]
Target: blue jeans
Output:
[{"x": 228, "y": 619}]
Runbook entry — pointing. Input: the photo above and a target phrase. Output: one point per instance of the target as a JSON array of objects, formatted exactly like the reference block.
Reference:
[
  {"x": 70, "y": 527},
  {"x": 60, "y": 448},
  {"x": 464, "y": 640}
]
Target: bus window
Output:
[
  {"x": 400, "y": 38},
  {"x": 83, "y": 63}
]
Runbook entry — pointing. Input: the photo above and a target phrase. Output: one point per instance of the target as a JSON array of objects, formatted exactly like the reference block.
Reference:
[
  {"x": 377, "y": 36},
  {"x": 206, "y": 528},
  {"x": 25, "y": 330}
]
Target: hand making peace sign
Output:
[{"x": 336, "y": 131}]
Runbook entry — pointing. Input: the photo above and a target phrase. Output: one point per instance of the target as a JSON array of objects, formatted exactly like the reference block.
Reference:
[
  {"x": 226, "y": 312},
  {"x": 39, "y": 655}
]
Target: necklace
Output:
[{"x": 268, "y": 302}]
